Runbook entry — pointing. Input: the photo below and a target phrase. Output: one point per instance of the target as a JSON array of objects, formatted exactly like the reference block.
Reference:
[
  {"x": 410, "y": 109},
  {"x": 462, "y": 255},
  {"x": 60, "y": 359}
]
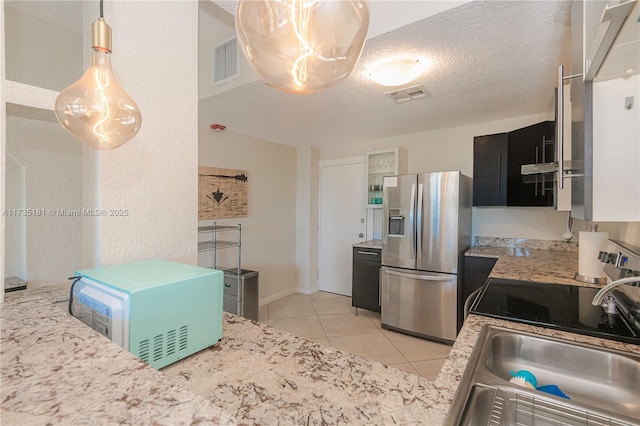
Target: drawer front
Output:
[
  {"x": 230, "y": 304},
  {"x": 231, "y": 285},
  {"x": 367, "y": 254}
]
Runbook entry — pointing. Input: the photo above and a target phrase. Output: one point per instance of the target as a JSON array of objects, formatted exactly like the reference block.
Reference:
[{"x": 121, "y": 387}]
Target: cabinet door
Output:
[
  {"x": 531, "y": 144},
  {"x": 365, "y": 292},
  {"x": 476, "y": 273},
  {"x": 490, "y": 170}
]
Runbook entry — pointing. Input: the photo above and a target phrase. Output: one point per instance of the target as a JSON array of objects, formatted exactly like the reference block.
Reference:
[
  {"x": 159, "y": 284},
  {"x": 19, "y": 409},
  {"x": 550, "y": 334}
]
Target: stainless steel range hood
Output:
[{"x": 549, "y": 169}]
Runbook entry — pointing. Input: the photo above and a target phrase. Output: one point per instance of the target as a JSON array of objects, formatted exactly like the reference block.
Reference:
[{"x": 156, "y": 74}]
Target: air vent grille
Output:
[
  {"x": 408, "y": 94},
  {"x": 225, "y": 61},
  {"x": 143, "y": 350},
  {"x": 171, "y": 342},
  {"x": 160, "y": 346},
  {"x": 183, "y": 339}
]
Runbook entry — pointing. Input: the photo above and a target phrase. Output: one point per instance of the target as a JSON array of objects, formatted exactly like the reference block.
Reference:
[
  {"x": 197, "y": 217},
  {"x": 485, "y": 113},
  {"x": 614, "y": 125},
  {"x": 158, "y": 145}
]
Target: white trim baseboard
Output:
[
  {"x": 307, "y": 290},
  {"x": 277, "y": 296}
]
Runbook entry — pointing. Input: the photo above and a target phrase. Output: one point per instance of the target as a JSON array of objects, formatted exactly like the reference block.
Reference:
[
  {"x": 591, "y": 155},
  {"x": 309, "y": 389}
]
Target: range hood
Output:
[{"x": 550, "y": 169}]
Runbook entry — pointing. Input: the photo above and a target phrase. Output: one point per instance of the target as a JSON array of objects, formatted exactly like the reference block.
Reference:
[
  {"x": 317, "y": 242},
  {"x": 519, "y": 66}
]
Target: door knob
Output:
[{"x": 361, "y": 235}]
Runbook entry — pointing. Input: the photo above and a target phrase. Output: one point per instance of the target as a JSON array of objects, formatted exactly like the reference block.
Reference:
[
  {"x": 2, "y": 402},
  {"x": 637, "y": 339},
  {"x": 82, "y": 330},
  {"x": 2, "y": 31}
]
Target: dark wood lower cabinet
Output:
[
  {"x": 365, "y": 291},
  {"x": 476, "y": 273}
]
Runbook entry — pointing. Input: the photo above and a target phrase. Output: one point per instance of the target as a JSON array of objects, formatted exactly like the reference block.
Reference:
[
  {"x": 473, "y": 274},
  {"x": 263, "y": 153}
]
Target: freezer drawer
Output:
[{"x": 419, "y": 302}]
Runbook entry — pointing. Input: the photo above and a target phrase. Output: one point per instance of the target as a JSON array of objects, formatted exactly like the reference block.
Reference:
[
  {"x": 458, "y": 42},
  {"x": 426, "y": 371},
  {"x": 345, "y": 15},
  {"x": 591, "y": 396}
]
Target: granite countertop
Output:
[
  {"x": 526, "y": 264},
  {"x": 57, "y": 370},
  {"x": 375, "y": 244}
]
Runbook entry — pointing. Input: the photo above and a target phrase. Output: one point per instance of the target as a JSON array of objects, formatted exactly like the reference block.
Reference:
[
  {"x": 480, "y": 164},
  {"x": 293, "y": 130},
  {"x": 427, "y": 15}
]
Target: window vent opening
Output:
[{"x": 225, "y": 61}]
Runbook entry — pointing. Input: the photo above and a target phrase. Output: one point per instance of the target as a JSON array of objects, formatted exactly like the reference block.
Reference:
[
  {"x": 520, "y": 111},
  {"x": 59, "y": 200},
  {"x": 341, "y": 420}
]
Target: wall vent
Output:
[
  {"x": 408, "y": 94},
  {"x": 225, "y": 61}
]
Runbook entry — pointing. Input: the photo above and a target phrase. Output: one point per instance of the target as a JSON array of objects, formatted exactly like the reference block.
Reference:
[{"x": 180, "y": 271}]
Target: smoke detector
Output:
[{"x": 407, "y": 94}]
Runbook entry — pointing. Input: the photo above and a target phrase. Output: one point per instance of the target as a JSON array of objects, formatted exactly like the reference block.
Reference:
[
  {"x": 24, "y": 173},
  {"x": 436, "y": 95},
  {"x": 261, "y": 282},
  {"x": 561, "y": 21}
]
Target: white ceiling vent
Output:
[
  {"x": 408, "y": 94},
  {"x": 225, "y": 61}
]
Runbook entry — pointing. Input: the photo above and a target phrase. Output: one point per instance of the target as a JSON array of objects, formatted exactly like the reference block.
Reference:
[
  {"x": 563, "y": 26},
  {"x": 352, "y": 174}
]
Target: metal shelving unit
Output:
[
  {"x": 216, "y": 244},
  {"x": 240, "y": 295}
]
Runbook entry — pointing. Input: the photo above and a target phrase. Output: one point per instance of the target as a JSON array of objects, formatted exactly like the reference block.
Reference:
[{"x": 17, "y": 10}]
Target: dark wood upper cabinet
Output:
[{"x": 497, "y": 179}]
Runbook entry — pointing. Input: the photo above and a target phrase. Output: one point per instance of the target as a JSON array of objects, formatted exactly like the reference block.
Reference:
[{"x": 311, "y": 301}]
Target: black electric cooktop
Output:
[{"x": 563, "y": 307}]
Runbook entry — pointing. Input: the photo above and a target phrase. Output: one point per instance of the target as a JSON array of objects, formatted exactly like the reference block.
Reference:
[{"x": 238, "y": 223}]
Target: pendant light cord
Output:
[{"x": 101, "y": 10}]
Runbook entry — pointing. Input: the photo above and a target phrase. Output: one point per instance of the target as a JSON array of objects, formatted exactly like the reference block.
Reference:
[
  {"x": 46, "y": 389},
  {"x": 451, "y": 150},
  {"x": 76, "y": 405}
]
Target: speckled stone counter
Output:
[
  {"x": 266, "y": 376},
  {"x": 56, "y": 370},
  {"x": 377, "y": 244},
  {"x": 547, "y": 266}
]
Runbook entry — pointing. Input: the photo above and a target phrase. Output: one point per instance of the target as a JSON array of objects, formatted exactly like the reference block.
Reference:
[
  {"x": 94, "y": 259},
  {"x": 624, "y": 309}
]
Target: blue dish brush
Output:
[{"x": 527, "y": 379}]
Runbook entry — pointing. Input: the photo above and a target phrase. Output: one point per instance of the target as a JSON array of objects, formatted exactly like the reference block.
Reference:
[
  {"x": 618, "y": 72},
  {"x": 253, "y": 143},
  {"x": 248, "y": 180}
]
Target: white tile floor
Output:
[{"x": 329, "y": 319}]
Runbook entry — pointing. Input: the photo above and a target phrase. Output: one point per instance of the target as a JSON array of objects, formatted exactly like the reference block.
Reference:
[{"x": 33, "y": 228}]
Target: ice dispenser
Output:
[{"x": 396, "y": 223}]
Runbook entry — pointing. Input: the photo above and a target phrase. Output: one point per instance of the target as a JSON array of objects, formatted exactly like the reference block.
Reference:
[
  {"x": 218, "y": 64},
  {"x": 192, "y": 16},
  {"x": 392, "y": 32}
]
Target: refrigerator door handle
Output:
[
  {"x": 419, "y": 226},
  {"x": 421, "y": 277},
  {"x": 411, "y": 215}
]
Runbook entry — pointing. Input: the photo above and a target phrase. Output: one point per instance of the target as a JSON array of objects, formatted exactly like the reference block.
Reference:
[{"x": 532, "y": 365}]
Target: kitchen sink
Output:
[{"x": 603, "y": 384}]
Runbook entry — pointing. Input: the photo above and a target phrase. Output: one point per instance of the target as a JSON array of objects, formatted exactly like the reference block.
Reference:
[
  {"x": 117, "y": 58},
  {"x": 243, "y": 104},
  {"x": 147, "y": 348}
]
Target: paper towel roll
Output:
[{"x": 591, "y": 244}]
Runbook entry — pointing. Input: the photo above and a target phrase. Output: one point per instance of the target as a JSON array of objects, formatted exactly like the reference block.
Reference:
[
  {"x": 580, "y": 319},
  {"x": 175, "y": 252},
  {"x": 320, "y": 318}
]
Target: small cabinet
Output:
[
  {"x": 381, "y": 163},
  {"x": 497, "y": 161},
  {"x": 476, "y": 273},
  {"x": 365, "y": 291}
]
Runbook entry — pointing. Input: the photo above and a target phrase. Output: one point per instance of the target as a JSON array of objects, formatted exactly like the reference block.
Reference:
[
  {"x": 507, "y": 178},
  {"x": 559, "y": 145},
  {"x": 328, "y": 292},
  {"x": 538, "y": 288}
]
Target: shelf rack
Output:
[{"x": 216, "y": 244}]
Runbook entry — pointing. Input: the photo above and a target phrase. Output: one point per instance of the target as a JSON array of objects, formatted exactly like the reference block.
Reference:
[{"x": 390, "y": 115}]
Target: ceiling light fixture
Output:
[
  {"x": 302, "y": 46},
  {"x": 398, "y": 71},
  {"x": 96, "y": 109}
]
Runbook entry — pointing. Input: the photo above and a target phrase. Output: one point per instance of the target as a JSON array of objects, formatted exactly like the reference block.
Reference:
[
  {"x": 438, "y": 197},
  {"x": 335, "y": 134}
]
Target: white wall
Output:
[
  {"x": 452, "y": 149},
  {"x": 40, "y": 53},
  {"x": 15, "y": 235},
  {"x": 153, "y": 177},
  {"x": 3, "y": 140},
  {"x": 52, "y": 159},
  {"x": 269, "y": 230},
  {"x": 43, "y": 54},
  {"x": 307, "y": 219}
]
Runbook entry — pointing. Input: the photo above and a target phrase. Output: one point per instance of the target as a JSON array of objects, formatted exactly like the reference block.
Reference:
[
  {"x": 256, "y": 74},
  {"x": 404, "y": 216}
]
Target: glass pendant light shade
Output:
[
  {"x": 96, "y": 109},
  {"x": 302, "y": 46}
]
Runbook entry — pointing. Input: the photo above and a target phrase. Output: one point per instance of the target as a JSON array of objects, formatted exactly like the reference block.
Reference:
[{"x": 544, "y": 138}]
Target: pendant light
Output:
[
  {"x": 302, "y": 46},
  {"x": 96, "y": 109}
]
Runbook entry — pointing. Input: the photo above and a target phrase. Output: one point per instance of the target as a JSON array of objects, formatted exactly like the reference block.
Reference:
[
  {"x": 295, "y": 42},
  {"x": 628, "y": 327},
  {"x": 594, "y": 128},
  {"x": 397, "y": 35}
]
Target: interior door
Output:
[{"x": 341, "y": 223}]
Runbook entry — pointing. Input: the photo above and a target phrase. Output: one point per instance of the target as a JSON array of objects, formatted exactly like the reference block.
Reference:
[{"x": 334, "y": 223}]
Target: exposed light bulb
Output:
[
  {"x": 302, "y": 46},
  {"x": 96, "y": 109}
]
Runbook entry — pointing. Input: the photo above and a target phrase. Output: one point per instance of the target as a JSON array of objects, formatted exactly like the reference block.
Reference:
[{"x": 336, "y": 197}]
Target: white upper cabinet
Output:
[
  {"x": 381, "y": 163},
  {"x": 605, "y": 119}
]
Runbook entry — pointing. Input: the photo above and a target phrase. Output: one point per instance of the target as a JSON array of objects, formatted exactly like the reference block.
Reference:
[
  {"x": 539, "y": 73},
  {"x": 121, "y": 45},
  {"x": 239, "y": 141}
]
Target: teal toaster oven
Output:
[{"x": 158, "y": 310}]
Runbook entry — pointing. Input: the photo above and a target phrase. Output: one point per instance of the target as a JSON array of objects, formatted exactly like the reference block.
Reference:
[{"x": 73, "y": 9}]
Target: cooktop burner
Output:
[{"x": 563, "y": 307}]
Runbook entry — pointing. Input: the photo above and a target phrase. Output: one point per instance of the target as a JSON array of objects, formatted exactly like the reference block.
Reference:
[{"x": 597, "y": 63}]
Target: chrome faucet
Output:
[{"x": 597, "y": 299}]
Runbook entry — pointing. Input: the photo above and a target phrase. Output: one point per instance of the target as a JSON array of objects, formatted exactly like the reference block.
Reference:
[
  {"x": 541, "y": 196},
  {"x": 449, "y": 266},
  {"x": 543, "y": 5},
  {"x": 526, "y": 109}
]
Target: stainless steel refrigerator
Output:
[{"x": 426, "y": 230}]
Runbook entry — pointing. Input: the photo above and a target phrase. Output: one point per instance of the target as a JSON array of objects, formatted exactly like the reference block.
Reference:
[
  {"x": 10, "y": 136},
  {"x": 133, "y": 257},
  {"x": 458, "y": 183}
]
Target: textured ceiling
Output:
[{"x": 491, "y": 60}]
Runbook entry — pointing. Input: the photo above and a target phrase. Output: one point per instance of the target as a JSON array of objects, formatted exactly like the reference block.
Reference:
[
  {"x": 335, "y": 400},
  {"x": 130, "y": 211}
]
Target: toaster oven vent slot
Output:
[
  {"x": 158, "y": 349},
  {"x": 171, "y": 342},
  {"x": 143, "y": 350},
  {"x": 183, "y": 339}
]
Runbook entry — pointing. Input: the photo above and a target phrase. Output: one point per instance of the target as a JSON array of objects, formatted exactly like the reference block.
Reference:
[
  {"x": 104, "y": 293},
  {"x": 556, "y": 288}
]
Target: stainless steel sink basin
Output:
[{"x": 603, "y": 384}]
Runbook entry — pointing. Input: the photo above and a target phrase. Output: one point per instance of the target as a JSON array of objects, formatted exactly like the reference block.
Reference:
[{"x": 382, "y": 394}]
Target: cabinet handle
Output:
[
  {"x": 368, "y": 252},
  {"x": 499, "y": 175},
  {"x": 535, "y": 186},
  {"x": 560, "y": 128}
]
